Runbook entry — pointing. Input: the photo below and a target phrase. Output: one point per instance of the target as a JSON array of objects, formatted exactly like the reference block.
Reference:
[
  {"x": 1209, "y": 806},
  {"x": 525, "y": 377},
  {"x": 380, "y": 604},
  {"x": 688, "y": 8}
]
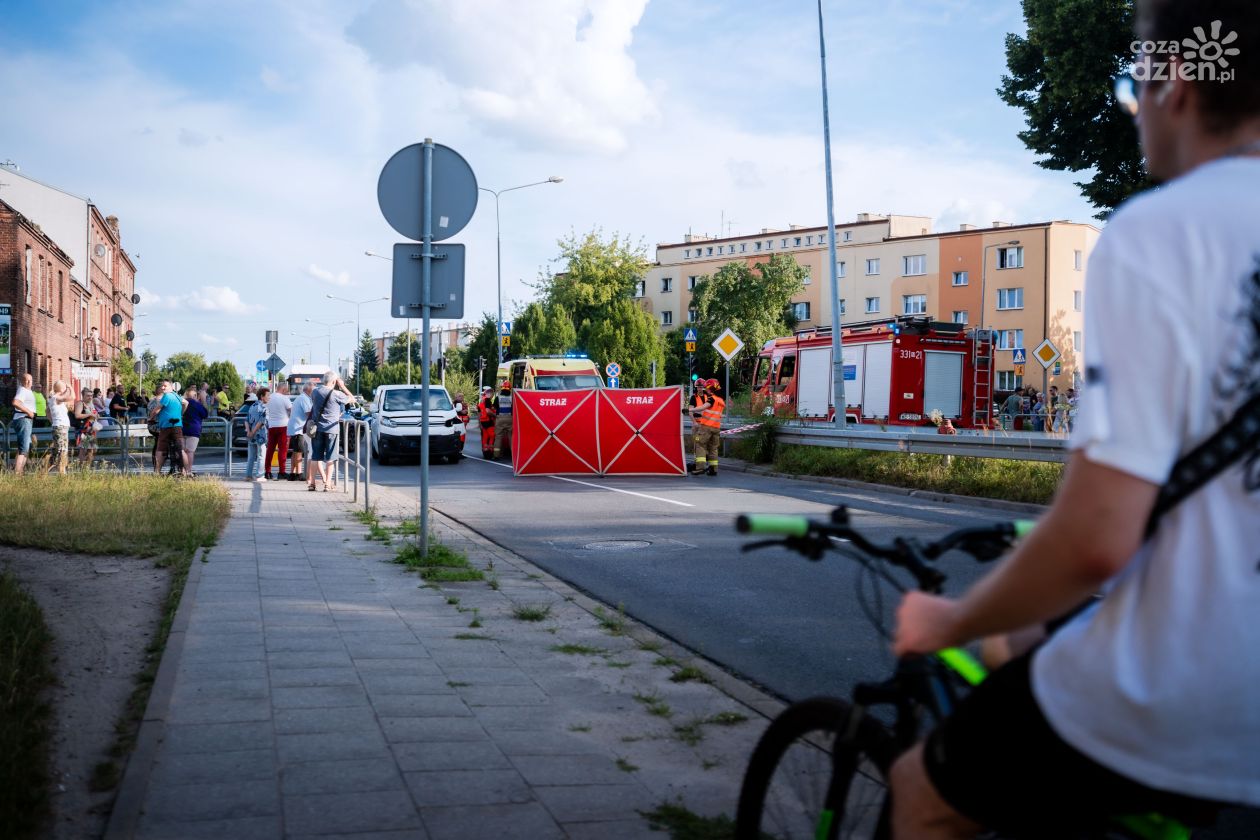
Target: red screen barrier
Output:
[{"x": 615, "y": 431}]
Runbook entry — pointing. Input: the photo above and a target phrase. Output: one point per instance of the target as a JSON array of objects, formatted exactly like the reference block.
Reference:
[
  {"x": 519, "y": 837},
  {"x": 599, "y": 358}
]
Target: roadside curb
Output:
[
  {"x": 129, "y": 803},
  {"x": 1024, "y": 508},
  {"x": 738, "y": 689}
]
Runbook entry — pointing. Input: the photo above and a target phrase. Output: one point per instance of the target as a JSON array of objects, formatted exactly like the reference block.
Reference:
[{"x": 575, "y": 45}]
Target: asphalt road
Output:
[{"x": 665, "y": 548}]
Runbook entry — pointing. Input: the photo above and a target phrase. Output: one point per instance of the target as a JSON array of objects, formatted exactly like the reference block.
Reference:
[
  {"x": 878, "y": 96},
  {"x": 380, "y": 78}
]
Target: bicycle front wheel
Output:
[{"x": 805, "y": 779}]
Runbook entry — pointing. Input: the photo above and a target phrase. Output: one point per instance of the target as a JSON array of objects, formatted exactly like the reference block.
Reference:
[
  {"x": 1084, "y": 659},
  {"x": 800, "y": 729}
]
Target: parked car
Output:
[{"x": 395, "y": 423}]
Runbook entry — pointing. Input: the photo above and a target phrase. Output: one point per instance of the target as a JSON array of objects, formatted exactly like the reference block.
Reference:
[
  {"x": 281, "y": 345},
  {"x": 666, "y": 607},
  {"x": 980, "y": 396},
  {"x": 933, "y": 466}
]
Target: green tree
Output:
[
  {"x": 753, "y": 302},
  {"x": 153, "y": 373},
  {"x": 597, "y": 274},
  {"x": 365, "y": 356},
  {"x": 1060, "y": 77},
  {"x": 124, "y": 369},
  {"x": 186, "y": 368},
  {"x": 543, "y": 330},
  {"x": 484, "y": 345},
  {"x": 626, "y": 334},
  {"x": 675, "y": 358},
  {"x": 223, "y": 374},
  {"x": 397, "y": 353}
]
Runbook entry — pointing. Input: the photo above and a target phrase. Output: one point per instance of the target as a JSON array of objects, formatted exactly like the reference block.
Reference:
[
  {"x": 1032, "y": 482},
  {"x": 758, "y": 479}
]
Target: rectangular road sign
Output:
[
  {"x": 1019, "y": 369},
  {"x": 691, "y": 347},
  {"x": 446, "y": 281},
  {"x": 690, "y": 335},
  {"x": 614, "y": 382},
  {"x": 506, "y": 341}
]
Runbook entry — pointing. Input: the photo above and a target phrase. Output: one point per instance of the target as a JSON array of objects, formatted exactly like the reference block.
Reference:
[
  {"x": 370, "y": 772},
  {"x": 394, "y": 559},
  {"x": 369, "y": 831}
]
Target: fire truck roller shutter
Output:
[
  {"x": 813, "y": 382},
  {"x": 876, "y": 389},
  {"x": 854, "y": 355},
  {"x": 942, "y": 383}
]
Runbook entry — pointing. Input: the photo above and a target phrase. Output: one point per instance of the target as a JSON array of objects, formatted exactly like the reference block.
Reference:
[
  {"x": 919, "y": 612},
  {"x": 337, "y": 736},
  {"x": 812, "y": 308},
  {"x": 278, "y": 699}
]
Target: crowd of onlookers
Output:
[
  {"x": 299, "y": 431},
  {"x": 1030, "y": 410}
]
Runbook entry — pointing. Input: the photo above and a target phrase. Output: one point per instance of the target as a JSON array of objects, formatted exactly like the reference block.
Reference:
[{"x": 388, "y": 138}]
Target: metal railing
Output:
[{"x": 127, "y": 446}]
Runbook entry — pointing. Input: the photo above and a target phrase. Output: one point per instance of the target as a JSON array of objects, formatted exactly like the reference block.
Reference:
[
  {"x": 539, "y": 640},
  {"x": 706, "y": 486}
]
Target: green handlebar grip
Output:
[
  {"x": 1024, "y": 527},
  {"x": 772, "y": 523}
]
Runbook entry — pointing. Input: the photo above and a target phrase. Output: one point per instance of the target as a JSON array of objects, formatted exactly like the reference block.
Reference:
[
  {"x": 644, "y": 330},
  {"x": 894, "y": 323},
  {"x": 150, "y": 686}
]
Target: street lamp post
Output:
[
  {"x": 358, "y": 362},
  {"x": 498, "y": 251},
  {"x": 329, "y": 325},
  {"x": 390, "y": 260}
]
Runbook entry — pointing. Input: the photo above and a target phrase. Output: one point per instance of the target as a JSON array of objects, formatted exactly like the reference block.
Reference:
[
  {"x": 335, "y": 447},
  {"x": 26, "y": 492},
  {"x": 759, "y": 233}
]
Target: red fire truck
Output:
[{"x": 895, "y": 373}]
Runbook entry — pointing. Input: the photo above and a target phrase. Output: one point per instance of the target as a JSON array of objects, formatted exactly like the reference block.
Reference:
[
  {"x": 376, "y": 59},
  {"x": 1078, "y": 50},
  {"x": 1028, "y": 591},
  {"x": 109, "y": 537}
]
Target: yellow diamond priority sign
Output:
[
  {"x": 1047, "y": 353},
  {"x": 728, "y": 344}
]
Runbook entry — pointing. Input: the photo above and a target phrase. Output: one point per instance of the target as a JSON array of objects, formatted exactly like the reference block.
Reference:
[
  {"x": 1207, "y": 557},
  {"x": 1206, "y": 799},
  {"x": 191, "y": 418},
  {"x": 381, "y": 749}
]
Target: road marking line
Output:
[{"x": 588, "y": 484}]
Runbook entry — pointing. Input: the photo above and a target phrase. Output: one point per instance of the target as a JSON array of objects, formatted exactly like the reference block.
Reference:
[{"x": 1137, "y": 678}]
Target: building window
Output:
[
  {"x": 710, "y": 249},
  {"x": 840, "y": 272},
  {"x": 808, "y": 278},
  {"x": 1078, "y": 260},
  {"x": 719, "y": 250},
  {"x": 1010, "y": 339},
  {"x": 691, "y": 282},
  {"x": 640, "y": 288},
  {"x": 848, "y": 236},
  {"x": 960, "y": 316},
  {"x": 809, "y": 240},
  {"x": 783, "y": 243},
  {"x": 801, "y": 311},
  {"x": 667, "y": 284},
  {"x": 872, "y": 266},
  {"x": 687, "y": 254},
  {"x": 843, "y": 306},
  {"x": 61, "y": 296},
  {"x": 693, "y": 315},
  {"x": 1008, "y": 381},
  {"x": 913, "y": 304},
  {"x": 667, "y": 318},
  {"x": 1012, "y": 257},
  {"x": 1011, "y": 298},
  {"x": 1078, "y": 342},
  {"x": 28, "y": 279},
  {"x": 914, "y": 265},
  {"x": 1078, "y": 301},
  {"x": 743, "y": 246},
  {"x": 960, "y": 278},
  {"x": 872, "y": 305},
  {"x": 769, "y": 244},
  {"x": 797, "y": 242},
  {"x": 758, "y": 245}
]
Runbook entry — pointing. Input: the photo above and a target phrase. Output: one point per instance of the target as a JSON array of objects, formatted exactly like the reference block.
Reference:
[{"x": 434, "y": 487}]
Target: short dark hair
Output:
[
  {"x": 1223, "y": 105},
  {"x": 262, "y": 392}
]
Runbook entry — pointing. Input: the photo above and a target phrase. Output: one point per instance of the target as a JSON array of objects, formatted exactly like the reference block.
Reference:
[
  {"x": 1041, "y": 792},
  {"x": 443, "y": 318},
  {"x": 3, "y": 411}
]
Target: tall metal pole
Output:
[
  {"x": 498, "y": 272},
  {"x": 426, "y": 268},
  {"x": 837, "y": 344},
  {"x": 408, "y": 351}
]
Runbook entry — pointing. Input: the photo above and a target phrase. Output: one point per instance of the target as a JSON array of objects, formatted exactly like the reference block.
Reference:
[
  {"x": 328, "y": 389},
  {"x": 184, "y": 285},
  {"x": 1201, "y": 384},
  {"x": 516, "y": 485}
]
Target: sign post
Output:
[{"x": 443, "y": 178}]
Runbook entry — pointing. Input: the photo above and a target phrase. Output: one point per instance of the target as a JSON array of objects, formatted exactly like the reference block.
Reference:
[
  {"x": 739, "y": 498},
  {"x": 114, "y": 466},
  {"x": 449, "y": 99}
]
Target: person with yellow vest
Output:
[
  {"x": 696, "y": 403},
  {"x": 707, "y": 419}
]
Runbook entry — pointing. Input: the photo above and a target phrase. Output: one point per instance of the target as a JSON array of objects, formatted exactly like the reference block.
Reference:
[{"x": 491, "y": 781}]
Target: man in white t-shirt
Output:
[
  {"x": 278, "y": 409},
  {"x": 23, "y": 421},
  {"x": 1149, "y": 699}
]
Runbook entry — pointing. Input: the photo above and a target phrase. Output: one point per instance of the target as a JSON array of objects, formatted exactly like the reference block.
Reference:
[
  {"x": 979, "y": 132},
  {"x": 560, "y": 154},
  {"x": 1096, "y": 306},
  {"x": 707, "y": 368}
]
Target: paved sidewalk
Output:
[{"x": 314, "y": 688}]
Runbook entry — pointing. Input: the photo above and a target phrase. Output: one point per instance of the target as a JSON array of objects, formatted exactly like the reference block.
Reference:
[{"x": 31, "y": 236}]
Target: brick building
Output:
[{"x": 49, "y": 312}]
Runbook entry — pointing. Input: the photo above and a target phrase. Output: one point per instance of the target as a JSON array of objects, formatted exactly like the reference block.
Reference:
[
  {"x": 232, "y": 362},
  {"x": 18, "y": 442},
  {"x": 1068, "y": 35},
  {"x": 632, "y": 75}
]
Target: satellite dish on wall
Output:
[
  {"x": 135, "y": 298},
  {"x": 116, "y": 319},
  {"x": 127, "y": 350},
  {"x": 100, "y": 250},
  {"x": 131, "y": 336}
]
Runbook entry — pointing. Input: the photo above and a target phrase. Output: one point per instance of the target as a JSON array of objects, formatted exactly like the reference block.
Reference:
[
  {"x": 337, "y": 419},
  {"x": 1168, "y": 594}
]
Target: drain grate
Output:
[{"x": 616, "y": 545}]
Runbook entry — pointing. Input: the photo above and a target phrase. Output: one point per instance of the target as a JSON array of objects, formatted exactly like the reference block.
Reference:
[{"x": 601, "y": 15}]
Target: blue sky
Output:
[{"x": 239, "y": 142}]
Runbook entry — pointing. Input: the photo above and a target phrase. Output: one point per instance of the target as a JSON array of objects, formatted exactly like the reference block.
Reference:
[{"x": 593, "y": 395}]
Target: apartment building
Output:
[{"x": 1026, "y": 282}]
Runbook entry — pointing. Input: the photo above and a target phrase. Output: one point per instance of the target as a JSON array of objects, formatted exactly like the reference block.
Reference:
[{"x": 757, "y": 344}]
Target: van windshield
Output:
[
  {"x": 408, "y": 399},
  {"x": 566, "y": 382}
]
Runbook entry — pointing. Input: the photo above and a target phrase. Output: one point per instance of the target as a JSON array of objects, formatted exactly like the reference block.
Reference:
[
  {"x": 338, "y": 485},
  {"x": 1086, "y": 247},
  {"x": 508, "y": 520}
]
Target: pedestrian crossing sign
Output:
[
  {"x": 1019, "y": 356},
  {"x": 690, "y": 335}
]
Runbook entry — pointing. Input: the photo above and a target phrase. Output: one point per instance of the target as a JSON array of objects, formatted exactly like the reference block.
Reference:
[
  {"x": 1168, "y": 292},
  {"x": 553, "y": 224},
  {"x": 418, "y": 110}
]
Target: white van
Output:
[{"x": 395, "y": 422}]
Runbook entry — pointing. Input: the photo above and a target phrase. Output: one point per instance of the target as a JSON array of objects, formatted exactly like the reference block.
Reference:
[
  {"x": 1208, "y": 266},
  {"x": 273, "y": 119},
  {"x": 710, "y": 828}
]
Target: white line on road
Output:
[{"x": 596, "y": 486}]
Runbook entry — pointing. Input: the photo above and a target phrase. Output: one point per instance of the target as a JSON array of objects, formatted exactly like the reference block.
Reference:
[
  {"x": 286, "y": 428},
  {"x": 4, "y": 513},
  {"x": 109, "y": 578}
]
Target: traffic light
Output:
[{"x": 481, "y": 363}]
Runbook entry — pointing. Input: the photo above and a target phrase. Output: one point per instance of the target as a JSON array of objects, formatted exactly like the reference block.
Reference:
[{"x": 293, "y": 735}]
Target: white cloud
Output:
[
  {"x": 225, "y": 341},
  {"x": 570, "y": 83},
  {"x": 274, "y": 81},
  {"x": 219, "y": 299},
  {"x": 324, "y": 275}
]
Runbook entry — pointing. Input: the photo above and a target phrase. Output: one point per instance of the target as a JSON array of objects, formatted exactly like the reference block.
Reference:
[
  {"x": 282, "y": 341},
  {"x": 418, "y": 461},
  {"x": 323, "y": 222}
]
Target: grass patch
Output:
[
  {"x": 691, "y": 733},
  {"x": 474, "y": 637},
  {"x": 335, "y": 528},
  {"x": 651, "y": 646},
  {"x": 25, "y": 643},
  {"x": 378, "y": 533},
  {"x": 408, "y": 528},
  {"x": 580, "y": 727},
  {"x": 105, "y": 776},
  {"x": 614, "y": 625},
  {"x": 688, "y": 674},
  {"x": 710, "y": 763},
  {"x": 625, "y": 766},
  {"x": 578, "y": 650},
  {"x": 612, "y": 664},
  {"x": 683, "y": 824},
  {"x": 452, "y": 600},
  {"x": 726, "y": 719},
  {"x": 457, "y": 684},
  {"x": 655, "y": 705},
  {"x": 102, "y": 513},
  {"x": 990, "y": 478},
  {"x": 476, "y": 619},
  {"x": 531, "y": 613},
  {"x": 494, "y": 582},
  {"x": 665, "y": 662},
  {"x": 441, "y": 564},
  {"x": 367, "y": 517}
]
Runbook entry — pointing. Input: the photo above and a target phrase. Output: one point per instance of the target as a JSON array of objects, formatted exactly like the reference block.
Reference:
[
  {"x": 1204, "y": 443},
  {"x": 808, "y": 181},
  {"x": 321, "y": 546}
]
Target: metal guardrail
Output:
[
  {"x": 125, "y": 445},
  {"x": 969, "y": 443}
]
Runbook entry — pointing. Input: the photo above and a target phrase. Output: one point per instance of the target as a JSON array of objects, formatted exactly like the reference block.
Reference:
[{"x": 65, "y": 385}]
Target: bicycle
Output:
[{"x": 820, "y": 769}]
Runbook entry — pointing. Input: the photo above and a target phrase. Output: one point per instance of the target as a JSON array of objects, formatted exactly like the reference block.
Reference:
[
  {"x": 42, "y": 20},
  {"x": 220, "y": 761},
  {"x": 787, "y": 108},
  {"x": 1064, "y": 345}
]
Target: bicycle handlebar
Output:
[{"x": 772, "y": 524}]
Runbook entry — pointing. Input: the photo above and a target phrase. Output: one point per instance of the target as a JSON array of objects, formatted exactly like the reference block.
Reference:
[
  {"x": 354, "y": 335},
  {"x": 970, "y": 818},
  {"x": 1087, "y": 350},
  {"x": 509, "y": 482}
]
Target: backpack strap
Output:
[{"x": 1235, "y": 440}]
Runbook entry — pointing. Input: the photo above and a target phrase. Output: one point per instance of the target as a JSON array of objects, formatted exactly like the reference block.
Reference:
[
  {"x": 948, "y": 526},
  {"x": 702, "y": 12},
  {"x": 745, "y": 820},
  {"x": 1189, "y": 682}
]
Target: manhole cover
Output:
[{"x": 616, "y": 545}]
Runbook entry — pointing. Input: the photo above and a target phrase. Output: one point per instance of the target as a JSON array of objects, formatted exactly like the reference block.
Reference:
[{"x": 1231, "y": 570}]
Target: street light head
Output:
[
  {"x": 330, "y": 297},
  {"x": 555, "y": 179}
]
